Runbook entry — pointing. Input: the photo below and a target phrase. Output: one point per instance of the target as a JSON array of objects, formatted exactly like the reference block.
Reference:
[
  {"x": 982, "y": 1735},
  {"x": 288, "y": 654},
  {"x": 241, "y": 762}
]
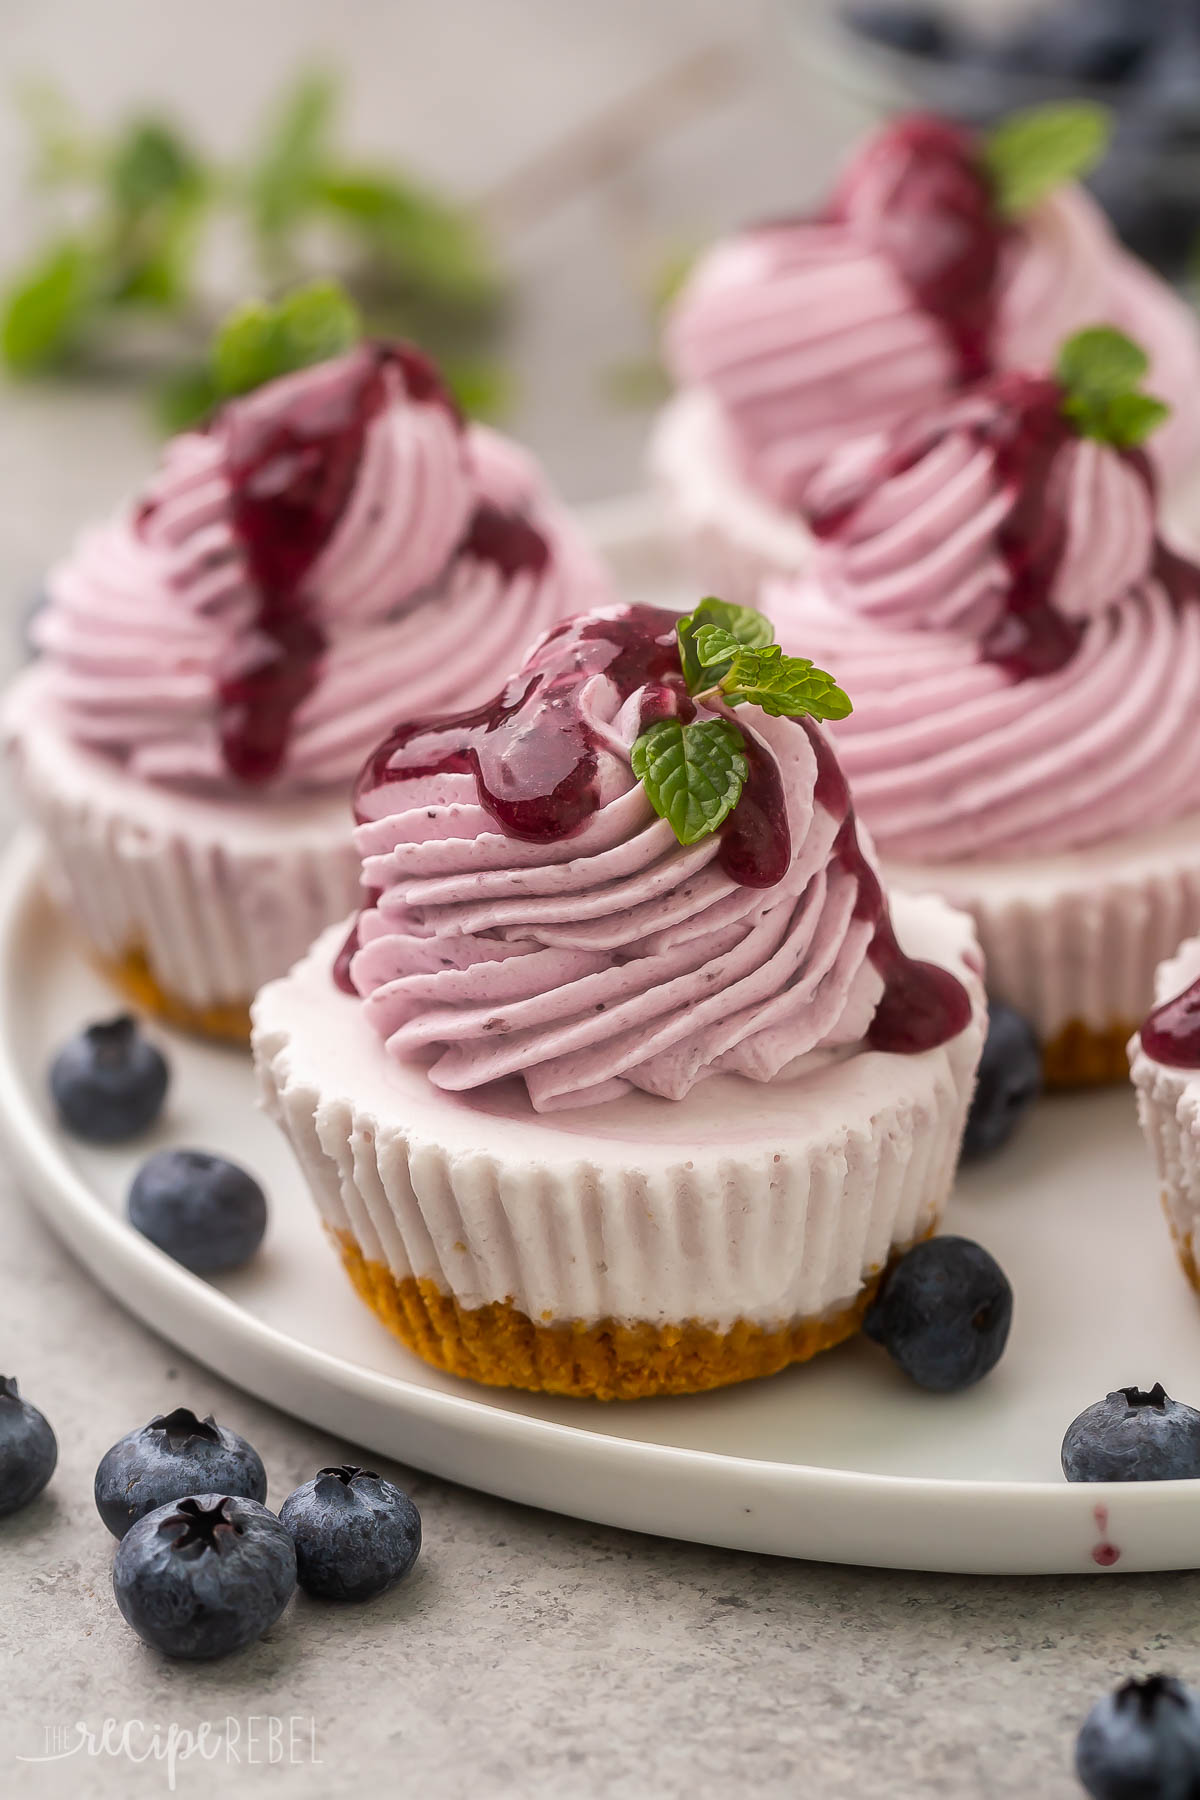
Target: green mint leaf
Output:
[
  {"x": 435, "y": 252},
  {"x": 44, "y": 311},
  {"x": 260, "y": 342},
  {"x": 1100, "y": 369},
  {"x": 1101, "y": 361},
  {"x": 783, "y": 686},
  {"x": 150, "y": 164},
  {"x": 1123, "y": 420},
  {"x": 286, "y": 177},
  {"x": 693, "y": 774},
  {"x": 1033, "y": 152},
  {"x": 743, "y": 625}
]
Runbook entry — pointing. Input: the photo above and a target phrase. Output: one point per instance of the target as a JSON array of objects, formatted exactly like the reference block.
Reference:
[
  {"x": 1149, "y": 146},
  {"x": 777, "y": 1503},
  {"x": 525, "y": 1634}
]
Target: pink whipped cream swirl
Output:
[
  {"x": 1023, "y": 652},
  {"x": 531, "y": 916},
  {"x": 334, "y": 550},
  {"x": 811, "y": 333}
]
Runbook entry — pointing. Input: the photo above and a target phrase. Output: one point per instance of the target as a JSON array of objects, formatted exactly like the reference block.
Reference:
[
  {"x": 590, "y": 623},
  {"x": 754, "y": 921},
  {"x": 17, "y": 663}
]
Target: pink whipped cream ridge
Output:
[
  {"x": 335, "y": 549},
  {"x": 533, "y": 917},
  {"x": 813, "y": 332},
  {"x": 1022, "y": 650}
]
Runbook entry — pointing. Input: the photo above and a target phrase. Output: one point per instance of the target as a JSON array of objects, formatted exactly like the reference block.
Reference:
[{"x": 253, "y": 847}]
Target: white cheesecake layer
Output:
[
  {"x": 1169, "y": 1110},
  {"x": 218, "y": 894},
  {"x": 1076, "y": 937},
  {"x": 766, "y": 1202},
  {"x": 729, "y": 534}
]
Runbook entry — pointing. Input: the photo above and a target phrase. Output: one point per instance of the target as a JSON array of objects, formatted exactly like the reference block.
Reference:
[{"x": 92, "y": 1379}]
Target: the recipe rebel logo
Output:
[{"x": 278, "y": 1740}]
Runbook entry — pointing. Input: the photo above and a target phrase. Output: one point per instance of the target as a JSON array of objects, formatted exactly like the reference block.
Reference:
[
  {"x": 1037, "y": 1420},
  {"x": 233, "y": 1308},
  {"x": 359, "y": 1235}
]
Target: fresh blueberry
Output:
[
  {"x": 174, "y": 1455},
  {"x": 205, "y": 1575},
  {"x": 1008, "y": 1083},
  {"x": 1142, "y": 1743},
  {"x": 917, "y": 30},
  {"x": 109, "y": 1083},
  {"x": 943, "y": 1313},
  {"x": 1133, "y": 1435},
  {"x": 205, "y": 1212},
  {"x": 1089, "y": 41},
  {"x": 28, "y": 1449},
  {"x": 355, "y": 1533}
]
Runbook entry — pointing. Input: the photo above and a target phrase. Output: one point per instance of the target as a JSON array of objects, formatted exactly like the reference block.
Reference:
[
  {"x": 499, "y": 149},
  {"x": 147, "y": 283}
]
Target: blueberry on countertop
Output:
[
  {"x": 1008, "y": 1083},
  {"x": 174, "y": 1455},
  {"x": 355, "y": 1534},
  {"x": 205, "y": 1212},
  {"x": 1142, "y": 1742},
  {"x": 109, "y": 1083},
  {"x": 205, "y": 1575},
  {"x": 28, "y": 1449},
  {"x": 942, "y": 1313},
  {"x": 917, "y": 30},
  {"x": 1133, "y": 1435}
]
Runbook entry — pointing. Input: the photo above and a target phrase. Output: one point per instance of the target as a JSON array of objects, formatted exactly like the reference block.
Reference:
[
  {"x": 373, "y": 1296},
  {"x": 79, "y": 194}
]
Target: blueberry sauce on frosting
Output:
[
  {"x": 814, "y": 333},
  {"x": 1023, "y": 649},
  {"x": 530, "y": 915},
  {"x": 336, "y": 546},
  {"x": 1171, "y": 1034}
]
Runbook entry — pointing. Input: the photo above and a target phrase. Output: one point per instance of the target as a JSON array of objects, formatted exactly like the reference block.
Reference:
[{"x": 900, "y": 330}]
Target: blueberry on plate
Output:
[
  {"x": 916, "y": 30},
  {"x": 1133, "y": 1435},
  {"x": 1008, "y": 1083},
  {"x": 942, "y": 1313},
  {"x": 205, "y": 1212},
  {"x": 109, "y": 1083},
  {"x": 204, "y": 1576},
  {"x": 1142, "y": 1742},
  {"x": 176, "y": 1454},
  {"x": 28, "y": 1449},
  {"x": 355, "y": 1534}
]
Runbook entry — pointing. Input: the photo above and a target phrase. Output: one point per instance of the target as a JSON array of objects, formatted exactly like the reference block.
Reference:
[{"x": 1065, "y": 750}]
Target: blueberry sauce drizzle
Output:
[
  {"x": 920, "y": 195},
  {"x": 1019, "y": 419},
  {"x": 1171, "y": 1035},
  {"x": 290, "y": 484},
  {"x": 534, "y": 758}
]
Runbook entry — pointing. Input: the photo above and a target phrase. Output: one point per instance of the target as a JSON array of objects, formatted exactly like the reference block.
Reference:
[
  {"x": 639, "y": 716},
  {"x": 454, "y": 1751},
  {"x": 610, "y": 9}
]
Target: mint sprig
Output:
[
  {"x": 694, "y": 773},
  {"x": 1101, "y": 371},
  {"x": 259, "y": 342},
  {"x": 1035, "y": 151}
]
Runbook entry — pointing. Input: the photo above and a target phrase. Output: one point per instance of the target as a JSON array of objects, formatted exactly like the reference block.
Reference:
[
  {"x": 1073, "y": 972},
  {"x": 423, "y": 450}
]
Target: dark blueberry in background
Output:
[
  {"x": 28, "y": 1449},
  {"x": 205, "y": 1576},
  {"x": 355, "y": 1534},
  {"x": 205, "y": 1212},
  {"x": 1008, "y": 1083},
  {"x": 917, "y": 30},
  {"x": 1161, "y": 225},
  {"x": 1133, "y": 1435},
  {"x": 1142, "y": 1743},
  {"x": 943, "y": 1313},
  {"x": 174, "y": 1455},
  {"x": 1088, "y": 40},
  {"x": 109, "y": 1083}
]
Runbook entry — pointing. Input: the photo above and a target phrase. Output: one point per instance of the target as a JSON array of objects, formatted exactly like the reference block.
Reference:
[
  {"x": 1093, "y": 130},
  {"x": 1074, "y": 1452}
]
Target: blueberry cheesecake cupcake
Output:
[
  {"x": 336, "y": 548},
  {"x": 940, "y": 259},
  {"x": 1165, "y": 1061},
  {"x": 627, "y": 1080},
  {"x": 1024, "y": 652}
]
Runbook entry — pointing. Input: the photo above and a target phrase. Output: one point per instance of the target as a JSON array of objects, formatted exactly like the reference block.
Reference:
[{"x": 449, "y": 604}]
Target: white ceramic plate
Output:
[{"x": 840, "y": 1461}]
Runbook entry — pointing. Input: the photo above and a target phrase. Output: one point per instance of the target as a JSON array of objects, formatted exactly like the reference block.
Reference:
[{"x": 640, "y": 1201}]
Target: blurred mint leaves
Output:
[{"x": 134, "y": 215}]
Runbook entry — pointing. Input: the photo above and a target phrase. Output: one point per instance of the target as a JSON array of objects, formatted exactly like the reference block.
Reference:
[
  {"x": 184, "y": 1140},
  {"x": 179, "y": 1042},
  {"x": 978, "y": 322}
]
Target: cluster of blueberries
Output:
[
  {"x": 202, "y": 1567},
  {"x": 1141, "y": 56}
]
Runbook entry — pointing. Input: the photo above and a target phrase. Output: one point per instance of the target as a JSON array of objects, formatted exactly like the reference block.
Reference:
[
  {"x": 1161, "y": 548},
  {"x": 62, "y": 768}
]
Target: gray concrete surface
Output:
[{"x": 530, "y": 1656}]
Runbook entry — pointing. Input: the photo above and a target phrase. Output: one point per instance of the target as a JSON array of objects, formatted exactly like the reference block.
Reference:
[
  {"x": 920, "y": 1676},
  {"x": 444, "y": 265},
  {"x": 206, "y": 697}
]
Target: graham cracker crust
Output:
[
  {"x": 501, "y": 1346},
  {"x": 1080, "y": 1056},
  {"x": 1184, "y": 1248},
  {"x": 131, "y": 973}
]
